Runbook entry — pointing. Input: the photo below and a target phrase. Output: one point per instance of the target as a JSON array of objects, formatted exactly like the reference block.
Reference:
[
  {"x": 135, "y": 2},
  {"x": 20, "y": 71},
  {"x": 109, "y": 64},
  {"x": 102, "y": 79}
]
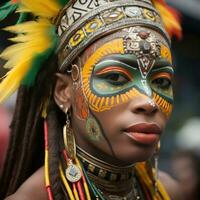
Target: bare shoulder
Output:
[
  {"x": 32, "y": 189},
  {"x": 171, "y": 186}
]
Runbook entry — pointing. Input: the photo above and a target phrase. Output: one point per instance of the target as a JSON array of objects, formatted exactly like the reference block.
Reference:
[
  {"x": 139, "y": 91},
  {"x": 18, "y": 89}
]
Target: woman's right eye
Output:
[
  {"x": 114, "y": 75},
  {"x": 116, "y": 78}
]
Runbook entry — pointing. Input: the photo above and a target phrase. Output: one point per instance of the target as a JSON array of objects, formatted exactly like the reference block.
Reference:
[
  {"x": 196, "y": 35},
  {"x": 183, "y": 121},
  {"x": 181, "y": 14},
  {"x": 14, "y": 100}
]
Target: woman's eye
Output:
[
  {"x": 116, "y": 78},
  {"x": 163, "y": 83}
]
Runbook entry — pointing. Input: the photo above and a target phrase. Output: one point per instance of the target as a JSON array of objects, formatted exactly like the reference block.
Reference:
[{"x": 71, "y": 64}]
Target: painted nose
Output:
[{"x": 144, "y": 105}]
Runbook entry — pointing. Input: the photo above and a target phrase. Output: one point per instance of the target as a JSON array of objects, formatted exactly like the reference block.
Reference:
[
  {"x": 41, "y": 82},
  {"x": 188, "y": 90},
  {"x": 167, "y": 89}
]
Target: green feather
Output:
[
  {"x": 6, "y": 9},
  {"x": 63, "y": 2},
  {"x": 22, "y": 18},
  {"x": 6, "y": 5},
  {"x": 39, "y": 60}
]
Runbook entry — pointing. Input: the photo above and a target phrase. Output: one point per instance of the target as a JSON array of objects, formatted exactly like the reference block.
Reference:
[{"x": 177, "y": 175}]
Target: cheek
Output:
[
  {"x": 89, "y": 124},
  {"x": 93, "y": 129},
  {"x": 80, "y": 104},
  {"x": 109, "y": 97},
  {"x": 164, "y": 105}
]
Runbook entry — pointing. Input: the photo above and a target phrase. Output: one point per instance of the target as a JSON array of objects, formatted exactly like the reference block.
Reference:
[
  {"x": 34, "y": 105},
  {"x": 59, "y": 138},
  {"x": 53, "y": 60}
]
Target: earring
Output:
[
  {"x": 72, "y": 172},
  {"x": 68, "y": 136},
  {"x": 75, "y": 73},
  {"x": 61, "y": 106},
  {"x": 155, "y": 160}
]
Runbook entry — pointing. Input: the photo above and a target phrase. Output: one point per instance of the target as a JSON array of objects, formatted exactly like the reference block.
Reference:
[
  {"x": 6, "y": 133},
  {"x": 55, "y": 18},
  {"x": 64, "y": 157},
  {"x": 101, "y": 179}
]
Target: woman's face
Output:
[{"x": 122, "y": 95}]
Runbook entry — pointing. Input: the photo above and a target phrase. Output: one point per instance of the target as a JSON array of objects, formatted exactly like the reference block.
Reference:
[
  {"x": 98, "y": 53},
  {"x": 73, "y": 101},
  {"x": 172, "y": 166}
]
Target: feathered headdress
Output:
[
  {"x": 170, "y": 17},
  {"x": 37, "y": 39},
  {"x": 34, "y": 43}
]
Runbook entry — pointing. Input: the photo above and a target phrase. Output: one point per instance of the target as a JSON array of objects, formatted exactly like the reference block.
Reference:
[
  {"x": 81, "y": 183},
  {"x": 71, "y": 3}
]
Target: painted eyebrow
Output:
[
  {"x": 161, "y": 62},
  {"x": 128, "y": 60}
]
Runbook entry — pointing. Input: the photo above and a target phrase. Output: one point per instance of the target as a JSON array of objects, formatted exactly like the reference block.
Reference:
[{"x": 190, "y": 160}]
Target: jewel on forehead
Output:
[
  {"x": 144, "y": 35},
  {"x": 145, "y": 45}
]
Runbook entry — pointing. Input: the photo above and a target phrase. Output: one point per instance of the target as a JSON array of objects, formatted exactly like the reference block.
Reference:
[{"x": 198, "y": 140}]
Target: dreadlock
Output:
[
  {"x": 54, "y": 120},
  {"x": 26, "y": 137}
]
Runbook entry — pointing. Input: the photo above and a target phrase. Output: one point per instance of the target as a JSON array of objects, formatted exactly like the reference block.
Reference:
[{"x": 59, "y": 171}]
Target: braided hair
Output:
[{"x": 26, "y": 148}]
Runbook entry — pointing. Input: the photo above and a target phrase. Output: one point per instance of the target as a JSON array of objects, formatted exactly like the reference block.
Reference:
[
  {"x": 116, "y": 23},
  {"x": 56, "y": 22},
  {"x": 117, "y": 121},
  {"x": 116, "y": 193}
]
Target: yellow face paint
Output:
[
  {"x": 114, "y": 73},
  {"x": 164, "y": 105},
  {"x": 165, "y": 53}
]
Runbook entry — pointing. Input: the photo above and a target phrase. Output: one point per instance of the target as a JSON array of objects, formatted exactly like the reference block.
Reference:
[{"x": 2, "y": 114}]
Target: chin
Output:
[{"x": 132, "y": 156}]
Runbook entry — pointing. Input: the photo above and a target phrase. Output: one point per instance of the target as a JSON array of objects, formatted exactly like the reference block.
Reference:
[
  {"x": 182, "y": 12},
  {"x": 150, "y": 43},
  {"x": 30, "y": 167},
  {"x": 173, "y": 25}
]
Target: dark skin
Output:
[
  {"x": 36, "y": 181},
  {"x": 113, "y": 147}
]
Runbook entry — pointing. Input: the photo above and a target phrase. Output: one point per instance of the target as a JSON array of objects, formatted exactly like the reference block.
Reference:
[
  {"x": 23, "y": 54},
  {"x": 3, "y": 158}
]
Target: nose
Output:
[{"x": 144, "y": 105}]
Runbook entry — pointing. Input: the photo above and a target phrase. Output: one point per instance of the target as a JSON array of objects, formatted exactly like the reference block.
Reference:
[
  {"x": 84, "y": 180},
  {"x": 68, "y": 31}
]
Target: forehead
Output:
[{"x": 146, "y": 44}]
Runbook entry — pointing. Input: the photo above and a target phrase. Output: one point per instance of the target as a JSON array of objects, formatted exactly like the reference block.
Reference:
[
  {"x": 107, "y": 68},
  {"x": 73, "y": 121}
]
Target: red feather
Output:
[{"x": 171, "y": 18}]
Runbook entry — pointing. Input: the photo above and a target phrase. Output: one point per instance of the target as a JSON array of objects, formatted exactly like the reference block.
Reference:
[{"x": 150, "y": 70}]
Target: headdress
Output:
[{"x": 67, "y": 27}]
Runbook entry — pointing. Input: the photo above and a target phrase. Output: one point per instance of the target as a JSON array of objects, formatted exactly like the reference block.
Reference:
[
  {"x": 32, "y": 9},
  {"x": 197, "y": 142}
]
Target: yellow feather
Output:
[
  {"x": 17, "y": 49},
  {"x": 20, "y": 56},
  {"x": 168, "y": 18},
  {"x": 11, "y": 83},
  {"x": 46, "y": 8},
  {"x": 29, "y": 27}
]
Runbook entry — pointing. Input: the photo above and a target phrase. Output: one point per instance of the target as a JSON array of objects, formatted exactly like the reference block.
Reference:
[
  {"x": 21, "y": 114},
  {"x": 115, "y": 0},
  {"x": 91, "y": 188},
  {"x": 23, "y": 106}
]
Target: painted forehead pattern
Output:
[{"x": 146, "y": 45}]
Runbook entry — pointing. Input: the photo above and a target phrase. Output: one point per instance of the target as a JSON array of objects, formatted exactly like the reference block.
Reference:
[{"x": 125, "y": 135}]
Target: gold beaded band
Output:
[{"x": 104, "y": 170}]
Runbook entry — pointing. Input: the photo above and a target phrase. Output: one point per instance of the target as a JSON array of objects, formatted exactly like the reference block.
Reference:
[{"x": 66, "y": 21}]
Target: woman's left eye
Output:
[{"x": 163, "y": 83}]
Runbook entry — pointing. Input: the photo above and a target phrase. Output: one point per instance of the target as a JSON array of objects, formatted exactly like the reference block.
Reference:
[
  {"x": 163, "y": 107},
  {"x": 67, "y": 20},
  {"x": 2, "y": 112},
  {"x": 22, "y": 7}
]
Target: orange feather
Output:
[{"x": 171, "y": 18}]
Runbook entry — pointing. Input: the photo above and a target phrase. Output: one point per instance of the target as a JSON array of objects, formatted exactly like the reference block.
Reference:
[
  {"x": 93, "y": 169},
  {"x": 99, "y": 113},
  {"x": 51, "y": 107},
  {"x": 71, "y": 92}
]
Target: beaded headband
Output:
[
  {"x": 81, "y": 24},
  {"x": 68, "y": 27}
]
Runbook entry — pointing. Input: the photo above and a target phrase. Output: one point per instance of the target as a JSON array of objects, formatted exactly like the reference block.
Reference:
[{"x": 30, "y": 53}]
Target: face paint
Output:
[
  {"x": 93, "y": 129},
  {"x": 150, "y": 49},
  {"x": 138, "y": 64},
  {"x": 81, "y": 108},
  {"x": 101, "y": 100},
  {"x": 161, "y": 84}
]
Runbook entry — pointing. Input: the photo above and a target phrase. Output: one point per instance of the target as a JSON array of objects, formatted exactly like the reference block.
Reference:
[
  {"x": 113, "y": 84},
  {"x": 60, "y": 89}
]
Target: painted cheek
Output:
[
  {"x": 163, "y": 97},
  {"x": 165, "y": 106},
  {"x": 81, "y": 106},
  {"x": 92, "y": 127}
]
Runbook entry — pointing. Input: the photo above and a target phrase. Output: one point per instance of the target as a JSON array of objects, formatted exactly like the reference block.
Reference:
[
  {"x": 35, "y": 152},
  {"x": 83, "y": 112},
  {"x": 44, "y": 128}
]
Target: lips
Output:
[{"x": 144, "y": 133}]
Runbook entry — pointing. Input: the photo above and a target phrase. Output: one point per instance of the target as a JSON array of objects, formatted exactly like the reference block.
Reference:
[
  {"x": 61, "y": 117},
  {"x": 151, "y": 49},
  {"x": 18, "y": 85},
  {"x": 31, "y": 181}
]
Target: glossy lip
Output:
[{"x": 144, "y": 133}]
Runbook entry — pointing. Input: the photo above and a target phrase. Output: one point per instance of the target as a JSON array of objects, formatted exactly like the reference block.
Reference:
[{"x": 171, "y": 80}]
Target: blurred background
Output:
[
  {"x": 183, "y": 130},
  {"x": 181, "y": 140}
]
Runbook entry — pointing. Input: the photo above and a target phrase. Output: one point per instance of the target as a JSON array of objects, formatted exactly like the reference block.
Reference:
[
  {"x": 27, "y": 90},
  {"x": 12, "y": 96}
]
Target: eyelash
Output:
[
  {"x": 162, "y": 77},
  {"x": 115, "y": 75}
]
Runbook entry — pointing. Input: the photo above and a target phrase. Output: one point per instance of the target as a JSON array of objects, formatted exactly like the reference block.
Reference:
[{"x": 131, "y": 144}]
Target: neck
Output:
[{"x": 110, "y": 179}]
